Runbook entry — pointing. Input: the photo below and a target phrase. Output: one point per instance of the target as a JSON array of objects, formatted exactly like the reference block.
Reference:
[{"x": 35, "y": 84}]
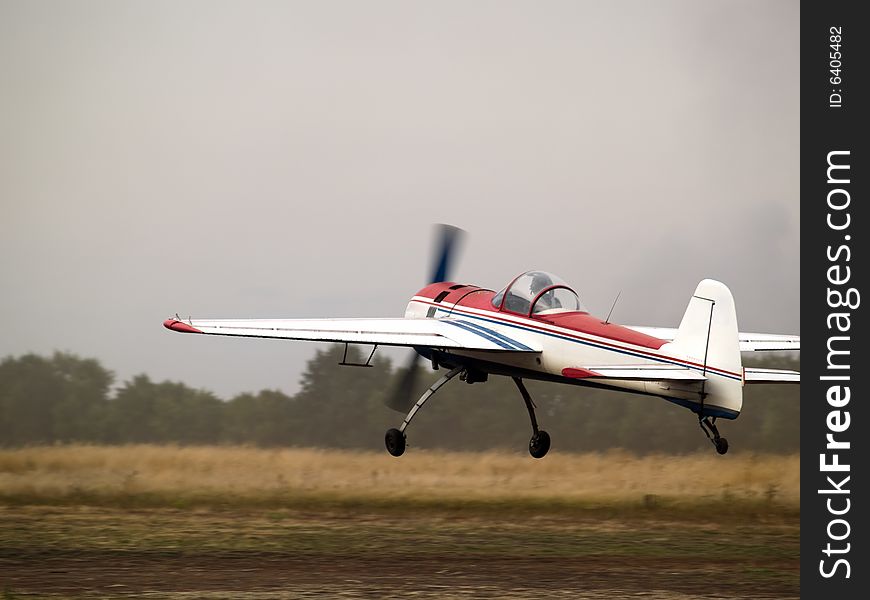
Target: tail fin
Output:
[{"x": 708, "y": 337}]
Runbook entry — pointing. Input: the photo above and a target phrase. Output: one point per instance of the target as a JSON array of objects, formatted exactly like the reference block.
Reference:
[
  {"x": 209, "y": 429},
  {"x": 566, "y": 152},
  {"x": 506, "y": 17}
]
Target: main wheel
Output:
[
  {"x": 395, "y": 442},
  {"x": 539, "y": 445},
  {"x": 721, "y": 445}
]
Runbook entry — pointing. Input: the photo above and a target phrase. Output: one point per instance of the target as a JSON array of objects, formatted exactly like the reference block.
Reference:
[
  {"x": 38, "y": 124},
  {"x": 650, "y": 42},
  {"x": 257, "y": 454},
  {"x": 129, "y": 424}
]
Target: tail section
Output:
[{"x": 708, "y": 337}]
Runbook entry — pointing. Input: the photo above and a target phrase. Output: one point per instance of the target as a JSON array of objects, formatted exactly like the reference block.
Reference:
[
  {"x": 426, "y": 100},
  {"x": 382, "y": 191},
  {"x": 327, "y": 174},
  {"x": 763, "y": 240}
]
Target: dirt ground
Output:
[
  {"x": 255, "y": 574},
  {"x": 79, "y": 552}
]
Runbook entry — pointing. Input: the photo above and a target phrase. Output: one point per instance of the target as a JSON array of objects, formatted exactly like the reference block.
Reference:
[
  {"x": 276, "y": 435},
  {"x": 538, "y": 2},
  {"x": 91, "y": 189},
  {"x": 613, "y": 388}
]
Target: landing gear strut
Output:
[
  {"x": 709, "y": 428},
  {"x": 539, "y": 445},
  {"x": 395, "y": 438}
]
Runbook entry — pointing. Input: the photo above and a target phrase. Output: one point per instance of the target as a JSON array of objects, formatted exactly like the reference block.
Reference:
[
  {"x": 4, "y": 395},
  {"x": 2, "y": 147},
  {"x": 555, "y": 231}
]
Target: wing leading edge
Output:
[{"x": 430, "y": 333}]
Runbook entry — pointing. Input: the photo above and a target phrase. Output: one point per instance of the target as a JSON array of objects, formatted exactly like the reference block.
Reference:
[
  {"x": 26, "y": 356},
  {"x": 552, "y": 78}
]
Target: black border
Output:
[{"x": 825, "y": 129}]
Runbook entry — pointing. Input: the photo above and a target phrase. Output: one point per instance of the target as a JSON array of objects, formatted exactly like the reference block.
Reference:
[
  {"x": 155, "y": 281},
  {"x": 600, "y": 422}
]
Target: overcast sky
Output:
[{"x": 287, "y": 159}]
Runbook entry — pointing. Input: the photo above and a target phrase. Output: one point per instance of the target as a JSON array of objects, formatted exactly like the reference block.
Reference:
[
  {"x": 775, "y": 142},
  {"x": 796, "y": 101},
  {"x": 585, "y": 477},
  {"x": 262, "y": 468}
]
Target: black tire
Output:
[
  {"x": 721, "y": 445},
  {"x": 395, "y": 442},
  {"x": 539, "y": 445}
]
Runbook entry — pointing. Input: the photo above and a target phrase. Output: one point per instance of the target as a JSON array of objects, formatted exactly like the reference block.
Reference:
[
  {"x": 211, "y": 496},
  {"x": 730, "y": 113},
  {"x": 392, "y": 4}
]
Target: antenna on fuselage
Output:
[{"x": 607, "y": 320}]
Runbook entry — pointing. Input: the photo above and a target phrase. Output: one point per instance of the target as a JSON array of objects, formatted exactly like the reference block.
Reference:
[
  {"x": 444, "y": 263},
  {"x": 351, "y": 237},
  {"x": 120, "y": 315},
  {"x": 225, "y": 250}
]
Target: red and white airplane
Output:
[{"x": 537, "y": 328}]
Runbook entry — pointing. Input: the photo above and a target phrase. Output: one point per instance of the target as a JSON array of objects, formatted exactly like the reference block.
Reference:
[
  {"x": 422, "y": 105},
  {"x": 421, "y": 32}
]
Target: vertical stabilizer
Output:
[{"x": 708, "y": 337}]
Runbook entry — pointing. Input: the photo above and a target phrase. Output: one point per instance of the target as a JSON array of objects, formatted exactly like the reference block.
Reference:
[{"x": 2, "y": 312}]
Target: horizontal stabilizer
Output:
[
  {"x": 635, "y": 372},
  {"x": 755, "y": 375},
  {"x": 749, "y": 342}
]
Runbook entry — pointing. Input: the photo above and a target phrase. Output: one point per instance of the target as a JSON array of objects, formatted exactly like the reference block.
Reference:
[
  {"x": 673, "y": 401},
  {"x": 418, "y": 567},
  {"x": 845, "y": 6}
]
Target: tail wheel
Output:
[{"x": 708, "y": 426}]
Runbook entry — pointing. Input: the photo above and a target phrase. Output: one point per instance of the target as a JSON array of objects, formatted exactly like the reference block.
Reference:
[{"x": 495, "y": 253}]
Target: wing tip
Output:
[
  {"x": 180, "y": 326},
  {"x": 577, "y": 373}
]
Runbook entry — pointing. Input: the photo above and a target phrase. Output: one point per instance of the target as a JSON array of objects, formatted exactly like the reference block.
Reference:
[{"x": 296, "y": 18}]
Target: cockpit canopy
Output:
[{"x": 538, "y": 293}]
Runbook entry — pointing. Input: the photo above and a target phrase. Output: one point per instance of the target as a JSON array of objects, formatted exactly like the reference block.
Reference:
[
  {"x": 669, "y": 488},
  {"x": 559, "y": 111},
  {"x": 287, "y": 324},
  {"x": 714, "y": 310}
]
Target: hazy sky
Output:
[{"x": 287, "y": 159}]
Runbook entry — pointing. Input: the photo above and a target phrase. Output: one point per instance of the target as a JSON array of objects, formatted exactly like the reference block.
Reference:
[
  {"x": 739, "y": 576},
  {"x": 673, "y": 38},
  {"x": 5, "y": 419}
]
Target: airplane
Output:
[{"x": 536, "y": 328}]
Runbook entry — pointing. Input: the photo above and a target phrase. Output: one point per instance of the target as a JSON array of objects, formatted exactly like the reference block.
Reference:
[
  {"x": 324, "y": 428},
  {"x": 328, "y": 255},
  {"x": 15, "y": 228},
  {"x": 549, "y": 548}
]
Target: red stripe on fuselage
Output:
[{"x": 581, "y": 322}]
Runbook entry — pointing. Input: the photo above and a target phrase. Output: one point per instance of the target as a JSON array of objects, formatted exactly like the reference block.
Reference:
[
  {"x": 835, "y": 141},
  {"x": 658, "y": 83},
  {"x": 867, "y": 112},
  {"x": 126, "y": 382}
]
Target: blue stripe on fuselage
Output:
[
  {"x": 469, "y": 328},
  {"x": 500, "y": 336}
]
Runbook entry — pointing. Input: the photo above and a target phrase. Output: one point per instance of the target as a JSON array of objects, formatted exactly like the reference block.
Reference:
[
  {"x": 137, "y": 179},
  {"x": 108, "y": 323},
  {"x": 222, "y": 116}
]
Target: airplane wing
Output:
[
  {"x": 431, "y": 333},
  {"x": 756, "y": 375},
  {"x": 749, "y": 342}
]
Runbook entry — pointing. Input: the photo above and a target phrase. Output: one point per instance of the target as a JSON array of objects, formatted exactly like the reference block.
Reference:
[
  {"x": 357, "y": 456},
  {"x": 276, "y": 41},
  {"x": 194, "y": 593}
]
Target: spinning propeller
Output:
[{"x": 448, "y": 239}]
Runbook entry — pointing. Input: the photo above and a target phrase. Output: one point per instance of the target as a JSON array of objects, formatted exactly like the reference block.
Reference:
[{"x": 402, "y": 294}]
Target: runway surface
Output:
[{"x": 77, "y": 552}]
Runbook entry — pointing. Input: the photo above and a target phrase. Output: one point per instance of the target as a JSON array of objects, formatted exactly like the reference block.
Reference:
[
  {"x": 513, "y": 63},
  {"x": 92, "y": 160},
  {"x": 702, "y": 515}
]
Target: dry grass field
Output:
[
  {"x": 224, "y": 522},
  {"x": 185, "y": 476}
]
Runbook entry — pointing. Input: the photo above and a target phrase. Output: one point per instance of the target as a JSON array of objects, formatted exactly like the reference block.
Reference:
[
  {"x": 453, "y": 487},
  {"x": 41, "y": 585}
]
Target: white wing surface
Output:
[
  {"x": 430, "y": 333},
  {"x": 749, "y": 342}
]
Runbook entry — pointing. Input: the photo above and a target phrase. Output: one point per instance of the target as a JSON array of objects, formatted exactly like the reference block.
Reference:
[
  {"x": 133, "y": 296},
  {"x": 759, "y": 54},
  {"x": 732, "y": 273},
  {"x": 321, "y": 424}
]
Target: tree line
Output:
[{"x": 64, "y": 398}]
